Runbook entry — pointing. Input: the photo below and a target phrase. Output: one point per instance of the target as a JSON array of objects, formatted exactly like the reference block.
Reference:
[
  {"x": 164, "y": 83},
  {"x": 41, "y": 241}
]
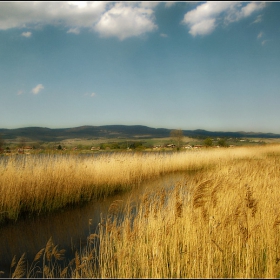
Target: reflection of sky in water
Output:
[{"x": 69, "y": 228}]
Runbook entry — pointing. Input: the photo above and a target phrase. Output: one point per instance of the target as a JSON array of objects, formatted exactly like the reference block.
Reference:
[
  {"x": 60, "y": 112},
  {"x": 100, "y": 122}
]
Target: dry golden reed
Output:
[
  {"x": 39, "y": 255},
  {"x": 223, "y": 223},
  {"x": 46, "y": 264},
  {"x": 20, "y": 269},
  {"x": 35, "y": 184}
]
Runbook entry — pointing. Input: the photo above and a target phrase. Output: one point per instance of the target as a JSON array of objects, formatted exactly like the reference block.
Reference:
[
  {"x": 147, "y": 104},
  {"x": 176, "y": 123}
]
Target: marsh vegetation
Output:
[
  {"x": 38, "y": 184},
  {"x": 221, "y": 222}
]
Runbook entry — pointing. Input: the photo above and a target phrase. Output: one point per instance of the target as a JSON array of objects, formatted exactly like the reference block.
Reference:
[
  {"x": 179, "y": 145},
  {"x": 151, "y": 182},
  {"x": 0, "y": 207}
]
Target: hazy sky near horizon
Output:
[{"x": 188, "y": 65}]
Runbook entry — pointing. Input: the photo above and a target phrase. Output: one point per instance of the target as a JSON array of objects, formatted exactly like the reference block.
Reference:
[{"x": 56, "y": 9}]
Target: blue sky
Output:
[{"x": 188, "y": 65}]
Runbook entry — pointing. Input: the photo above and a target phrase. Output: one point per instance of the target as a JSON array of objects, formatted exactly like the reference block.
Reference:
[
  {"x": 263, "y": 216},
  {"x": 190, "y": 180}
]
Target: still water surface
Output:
[{"x": 68, "y": 228}]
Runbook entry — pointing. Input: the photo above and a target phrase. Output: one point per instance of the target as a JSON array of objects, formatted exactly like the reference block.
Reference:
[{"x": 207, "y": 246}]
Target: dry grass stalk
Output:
[
  {"x": 49, "y": 249},
  {"x": 179, "y": 209},
  {"x": 251, "y": 203},
  {"x": 162, "y": 198},
  {"x": 39, "y": 255},
  {"x": 20, "y": 270},
  {"x": 63, "y": 272},
  {"x": 200, "y": 194},
  {"x": 14, "y": 262},
  {"x": 47, "y": 272},
  {"x": 59, "y": 255},
  {"x": 115, "y": 208}
]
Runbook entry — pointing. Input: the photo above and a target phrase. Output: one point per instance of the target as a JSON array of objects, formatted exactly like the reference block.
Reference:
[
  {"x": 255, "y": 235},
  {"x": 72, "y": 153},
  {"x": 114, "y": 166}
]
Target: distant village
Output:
[{"x": 132, "y": 146}]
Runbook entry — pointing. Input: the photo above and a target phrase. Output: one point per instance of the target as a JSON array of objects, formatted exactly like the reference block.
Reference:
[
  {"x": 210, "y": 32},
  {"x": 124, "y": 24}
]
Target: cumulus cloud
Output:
[
  {"x": 203, "y": 27},
  {"x": 207, "y": 16},
  {"x": 37, "y": 89},
  {"x": 126, "y": 20},
  {"x": 26, "y": 34}
]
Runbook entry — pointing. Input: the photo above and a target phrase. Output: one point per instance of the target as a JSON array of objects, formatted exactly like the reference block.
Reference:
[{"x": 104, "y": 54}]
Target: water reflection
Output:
[{"x": 69, "y": 228}]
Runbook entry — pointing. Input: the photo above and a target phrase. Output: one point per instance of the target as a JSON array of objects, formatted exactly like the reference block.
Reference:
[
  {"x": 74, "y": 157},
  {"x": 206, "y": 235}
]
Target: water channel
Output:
[{"x": 69, "y": 228}]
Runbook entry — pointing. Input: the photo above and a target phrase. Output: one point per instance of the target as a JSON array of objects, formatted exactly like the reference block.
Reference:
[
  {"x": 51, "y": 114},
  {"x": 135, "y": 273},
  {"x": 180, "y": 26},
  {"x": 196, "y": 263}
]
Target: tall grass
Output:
[
  {"x": 222, "y": 222},
  {"x": 35, "y": 184}
]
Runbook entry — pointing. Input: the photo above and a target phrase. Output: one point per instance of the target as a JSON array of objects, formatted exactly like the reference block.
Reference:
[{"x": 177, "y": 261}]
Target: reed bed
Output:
[
  {"x": 35, "y": 184},
  {"x": 222, "y": 222}
]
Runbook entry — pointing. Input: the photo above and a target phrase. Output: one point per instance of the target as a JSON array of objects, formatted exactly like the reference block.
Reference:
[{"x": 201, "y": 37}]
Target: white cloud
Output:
[
  {"x": 207, "y": 16},
  {"x": 203, "y": 27},
  {"x": 70, "y": 14},
  {"x": 251, "y": 8},
  {"x": 93, "y": 94},
  {"x": 78, "y": 4},
  {"x": 260, "y": 35},
  {"x": 169, "y": 4},
  {"x": 126, "y": 20},
  {"x": 163, "y": 35},
  {"x": 259, "y": 19},
  {"x": 20, "y": 92},
  {"x": 120, "y": 19},
  {"x": 37, "y": 89},
  {"x": 26, "y": 34},
  {"x": 75, "y": 30}
]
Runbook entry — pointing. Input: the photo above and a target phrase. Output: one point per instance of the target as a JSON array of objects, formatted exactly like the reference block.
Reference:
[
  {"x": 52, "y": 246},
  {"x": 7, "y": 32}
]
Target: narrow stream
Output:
[{"x": 69, "y": 228}]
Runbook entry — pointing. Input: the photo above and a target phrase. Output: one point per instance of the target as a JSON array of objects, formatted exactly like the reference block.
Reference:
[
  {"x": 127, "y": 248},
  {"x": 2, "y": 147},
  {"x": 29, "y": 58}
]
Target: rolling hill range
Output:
[{"x": 115, "y": 131}]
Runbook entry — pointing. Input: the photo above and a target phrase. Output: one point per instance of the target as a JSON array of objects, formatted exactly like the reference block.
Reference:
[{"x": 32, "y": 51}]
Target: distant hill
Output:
[{"x": 115, "y": 131}]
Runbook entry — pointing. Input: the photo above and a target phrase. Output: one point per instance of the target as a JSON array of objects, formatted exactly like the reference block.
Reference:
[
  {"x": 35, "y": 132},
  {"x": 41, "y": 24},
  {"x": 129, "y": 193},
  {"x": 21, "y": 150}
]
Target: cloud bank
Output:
[{"x": 124, "y": 20}]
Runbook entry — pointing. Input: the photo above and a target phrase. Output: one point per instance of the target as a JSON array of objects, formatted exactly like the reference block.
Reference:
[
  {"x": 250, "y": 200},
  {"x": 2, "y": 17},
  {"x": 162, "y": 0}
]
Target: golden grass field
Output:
[
  {"x": 35, "y": 184},
  {"x": 220, "y": 222}
]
